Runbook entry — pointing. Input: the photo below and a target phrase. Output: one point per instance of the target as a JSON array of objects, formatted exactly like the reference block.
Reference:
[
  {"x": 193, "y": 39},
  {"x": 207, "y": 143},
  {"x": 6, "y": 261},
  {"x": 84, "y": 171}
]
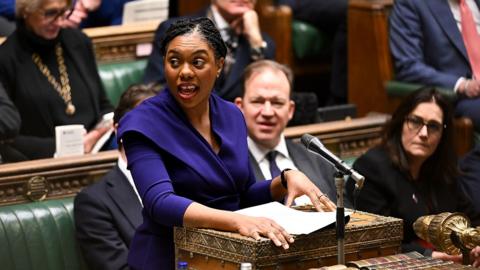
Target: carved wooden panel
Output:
[
  {"x": 52, "y": 178},
  {"x": 122, "y": 42},
  {"x": 346, "y": 138}
]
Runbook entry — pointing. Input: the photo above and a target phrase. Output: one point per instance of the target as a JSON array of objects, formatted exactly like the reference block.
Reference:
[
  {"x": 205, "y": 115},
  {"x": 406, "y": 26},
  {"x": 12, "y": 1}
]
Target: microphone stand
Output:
[{"x": 340, "y": 219}]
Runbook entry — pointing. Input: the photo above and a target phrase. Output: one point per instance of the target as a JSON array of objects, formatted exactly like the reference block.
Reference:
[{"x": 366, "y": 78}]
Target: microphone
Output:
[{"x": 314, "y": 145}]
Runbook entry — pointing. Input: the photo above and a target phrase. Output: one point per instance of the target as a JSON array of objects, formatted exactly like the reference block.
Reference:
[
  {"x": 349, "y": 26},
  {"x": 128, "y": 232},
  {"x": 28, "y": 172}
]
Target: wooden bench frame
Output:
[
  {"x": 64, "y": 177},
  {"x": 53, "y": 177}
]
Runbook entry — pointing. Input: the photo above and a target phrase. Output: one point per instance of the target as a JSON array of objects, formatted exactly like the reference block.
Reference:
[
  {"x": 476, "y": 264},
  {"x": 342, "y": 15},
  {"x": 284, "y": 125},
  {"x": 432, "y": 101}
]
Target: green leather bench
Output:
[
  {"x": 117, "y": 77},
  {"x": 402, "y": 89},
  {"x": 308, "y": 41},
  {"x": 39, "y": 236}
]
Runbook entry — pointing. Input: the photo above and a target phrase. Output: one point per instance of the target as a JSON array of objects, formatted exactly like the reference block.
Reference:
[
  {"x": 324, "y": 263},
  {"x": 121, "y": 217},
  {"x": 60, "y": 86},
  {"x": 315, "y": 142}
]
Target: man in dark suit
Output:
[
  {"x": 470, "y": 176},
  {"x": 267, "y": 108},
  {"x": 429, "y": 47},
  {"x": 240, "y": 29},
  {"x": 108, "y": 212}
]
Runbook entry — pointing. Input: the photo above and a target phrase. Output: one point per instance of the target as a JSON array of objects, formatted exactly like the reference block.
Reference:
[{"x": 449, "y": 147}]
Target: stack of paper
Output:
[{"x": 293, "y": 221}]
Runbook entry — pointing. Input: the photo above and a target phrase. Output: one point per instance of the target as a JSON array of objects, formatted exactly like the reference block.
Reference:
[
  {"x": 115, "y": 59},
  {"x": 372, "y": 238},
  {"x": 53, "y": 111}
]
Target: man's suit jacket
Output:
[
  {"x": 426, "y": 44},
  {"x": 316, "y": 168},
  {"x": 228, "y": 87},
  {"x": 470, "y": 176},
  {"x": 106, "y": 216}
]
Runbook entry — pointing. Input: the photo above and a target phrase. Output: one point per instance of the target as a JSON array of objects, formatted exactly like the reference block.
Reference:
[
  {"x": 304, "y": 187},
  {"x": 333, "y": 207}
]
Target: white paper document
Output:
[
  {"x": 69, "y": 140},
  {"x": 293, "y": 221}
]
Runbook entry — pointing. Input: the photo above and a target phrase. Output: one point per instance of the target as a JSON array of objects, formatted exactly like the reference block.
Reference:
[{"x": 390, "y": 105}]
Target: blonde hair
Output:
[{"x": 24, "y": 7}]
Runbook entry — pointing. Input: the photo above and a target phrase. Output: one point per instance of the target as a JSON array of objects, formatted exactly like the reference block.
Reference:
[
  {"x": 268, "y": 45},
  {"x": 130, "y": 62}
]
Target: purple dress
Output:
[{"x": 173, "y": 166}]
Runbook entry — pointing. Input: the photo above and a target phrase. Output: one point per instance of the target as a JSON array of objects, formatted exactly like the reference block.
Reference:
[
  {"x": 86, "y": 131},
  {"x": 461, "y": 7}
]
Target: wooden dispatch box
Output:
[{"x": 366, "y": 236}]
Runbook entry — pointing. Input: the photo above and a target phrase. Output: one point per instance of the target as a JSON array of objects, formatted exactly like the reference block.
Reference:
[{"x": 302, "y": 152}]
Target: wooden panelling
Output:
[
  {"x": 52, "y": 178},
  {"x": 369, "y": 61},
  {"x": 62, "y": 177},
  {"x": 122, "y": 42},
  {"x": 347, "y": 138}
]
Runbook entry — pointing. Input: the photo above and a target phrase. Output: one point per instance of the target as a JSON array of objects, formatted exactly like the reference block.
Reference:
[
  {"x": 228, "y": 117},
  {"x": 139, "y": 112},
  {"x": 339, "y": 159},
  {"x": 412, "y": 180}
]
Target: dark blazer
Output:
[
  {"x": 388, "y": 191},
  {"x": 316, "y": 168},
  {"x": 470, "y": 176},
  {"x": 10, "y": 119},
  {"x": 106, "y": 216},
  {"x": 228, "y": 87},
  {"x": 426, "y": 44},
  {"x": 29, "y": 90}
]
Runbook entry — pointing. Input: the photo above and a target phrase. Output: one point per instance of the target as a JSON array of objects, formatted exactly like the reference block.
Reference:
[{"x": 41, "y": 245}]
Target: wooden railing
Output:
[
  {"x": 53, "y": 177},
  {"x": 63, "y": 177}
]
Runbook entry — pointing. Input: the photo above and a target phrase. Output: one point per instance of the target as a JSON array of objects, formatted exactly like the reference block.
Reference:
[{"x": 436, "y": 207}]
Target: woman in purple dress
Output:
[{"x": 187, "y": 151}]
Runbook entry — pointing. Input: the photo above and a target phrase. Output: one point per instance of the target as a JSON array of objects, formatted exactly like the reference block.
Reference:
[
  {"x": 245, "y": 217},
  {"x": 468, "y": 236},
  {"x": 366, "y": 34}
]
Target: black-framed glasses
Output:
[
  {"x": 52, "y": 14},
  {"x": 416, "y": 123}
]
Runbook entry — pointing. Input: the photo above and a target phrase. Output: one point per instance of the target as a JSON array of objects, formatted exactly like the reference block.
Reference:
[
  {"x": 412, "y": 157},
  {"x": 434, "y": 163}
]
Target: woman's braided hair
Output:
[{"x": 202, "y": 26}]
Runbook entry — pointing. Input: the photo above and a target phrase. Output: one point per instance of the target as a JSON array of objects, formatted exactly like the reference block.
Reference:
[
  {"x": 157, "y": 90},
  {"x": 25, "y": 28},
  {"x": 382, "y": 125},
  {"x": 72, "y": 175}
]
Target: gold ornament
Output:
[
  {"x": 70, "y": 110},
  {"x": 62, "y": 88}
]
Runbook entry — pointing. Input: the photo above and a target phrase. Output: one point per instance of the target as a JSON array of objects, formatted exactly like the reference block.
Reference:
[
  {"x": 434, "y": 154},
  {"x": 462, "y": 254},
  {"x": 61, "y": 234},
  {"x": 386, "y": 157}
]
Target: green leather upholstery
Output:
[
  {"x": 39, "y": 236},
  {"x": 117, "y": 77},
  {"x": 401, "y": 89},
  {"x": 308, "y": 41}
]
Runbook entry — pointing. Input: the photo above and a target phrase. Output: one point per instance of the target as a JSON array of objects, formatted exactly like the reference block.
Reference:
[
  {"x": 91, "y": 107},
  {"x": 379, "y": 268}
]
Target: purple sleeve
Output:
[{"x": 153, "y": 182}]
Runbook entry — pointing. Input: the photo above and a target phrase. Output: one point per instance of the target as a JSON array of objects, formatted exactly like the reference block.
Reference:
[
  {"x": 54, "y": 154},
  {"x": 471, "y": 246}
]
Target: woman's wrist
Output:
[{"x": 283, "y": 178}]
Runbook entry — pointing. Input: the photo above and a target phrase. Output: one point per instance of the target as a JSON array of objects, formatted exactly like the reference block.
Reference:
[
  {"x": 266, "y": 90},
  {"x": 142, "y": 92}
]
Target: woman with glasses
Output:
[
  {"x": 412, "y": 173},
  {"x": 51, "y": 76}
]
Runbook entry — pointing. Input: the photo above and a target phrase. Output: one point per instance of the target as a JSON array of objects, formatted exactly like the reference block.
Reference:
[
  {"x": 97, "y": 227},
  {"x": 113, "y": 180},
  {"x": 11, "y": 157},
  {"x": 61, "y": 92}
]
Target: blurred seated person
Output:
[
  {"x": 187, "y": 152},
  {"x": 9, "y": 122},
  {"x": 429, "y": 46},
  {"x": 267, "y": 108},
  {"x": 470, "y": 175},
  {"x": 240, "y": 30},
  {"x": 330, "y": 17},
  {"x": 7, "y": 15},
  {"x": 51, "y": 76},
  {"x": 81, "y": 11},
  {"x": 413, "y": 172},
  {"x": 95, "y": 13},
  {"x": 108, "y": 212}
]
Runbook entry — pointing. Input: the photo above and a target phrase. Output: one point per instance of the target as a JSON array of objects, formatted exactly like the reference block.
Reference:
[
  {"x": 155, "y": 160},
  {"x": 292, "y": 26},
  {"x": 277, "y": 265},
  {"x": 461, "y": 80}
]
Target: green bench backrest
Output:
[
  {"x": 308, "y": 41},
  {"x": 117, "y": 77},
  {"x": 39, "y": 236}
]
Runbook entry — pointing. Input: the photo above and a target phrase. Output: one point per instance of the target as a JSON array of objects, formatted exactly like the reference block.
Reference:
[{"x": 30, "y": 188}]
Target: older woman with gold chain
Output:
[{"x": 51, "y": 76}]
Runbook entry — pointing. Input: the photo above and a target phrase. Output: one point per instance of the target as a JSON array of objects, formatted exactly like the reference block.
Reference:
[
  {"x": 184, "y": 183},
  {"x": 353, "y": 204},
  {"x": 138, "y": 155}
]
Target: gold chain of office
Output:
[{"x": 63, "y": 88}]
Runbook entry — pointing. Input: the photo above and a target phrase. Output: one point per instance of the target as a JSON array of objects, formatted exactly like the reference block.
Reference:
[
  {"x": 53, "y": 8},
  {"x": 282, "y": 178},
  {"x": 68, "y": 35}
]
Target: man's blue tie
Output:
[{"x": 274, "y": 170}]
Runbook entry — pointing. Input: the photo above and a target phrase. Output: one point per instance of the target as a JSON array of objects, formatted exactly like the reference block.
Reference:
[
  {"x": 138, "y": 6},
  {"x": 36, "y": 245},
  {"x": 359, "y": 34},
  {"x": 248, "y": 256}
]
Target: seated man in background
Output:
[
  {"x": 436, "y": 42},
  {"x": 108, "y": 212},
  {"x": 240, "y": 30},
  {"x": 267, "y": 107}
]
